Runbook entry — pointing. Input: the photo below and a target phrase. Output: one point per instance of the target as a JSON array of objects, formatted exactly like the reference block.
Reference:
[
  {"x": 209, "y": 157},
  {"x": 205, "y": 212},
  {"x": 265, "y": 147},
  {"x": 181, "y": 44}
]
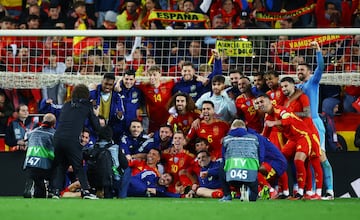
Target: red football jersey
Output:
[
  {"x": 245, "y": 107},
  {"x": 156, "y": 100},
  {"x": 274, "y": 134},
  {"x": 213, "y": 133},
  {"x": 183, "y": 122},
  {"x": 175, "y": 163},
  {"x": 298, "y": 105},
  {"x": 292, "y": 126},
  {"x": 277, "y": 96},
  {"x": 137, "y": 166}
]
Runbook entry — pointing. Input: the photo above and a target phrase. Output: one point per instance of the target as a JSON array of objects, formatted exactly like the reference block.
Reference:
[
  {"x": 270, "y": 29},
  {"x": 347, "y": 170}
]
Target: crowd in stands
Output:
[{"x": 176, "y": 149}]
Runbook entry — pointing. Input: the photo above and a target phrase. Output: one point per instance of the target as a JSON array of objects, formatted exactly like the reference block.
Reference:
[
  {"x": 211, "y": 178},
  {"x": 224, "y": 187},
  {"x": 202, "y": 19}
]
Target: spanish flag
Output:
[{"x": 82, "y": 44}]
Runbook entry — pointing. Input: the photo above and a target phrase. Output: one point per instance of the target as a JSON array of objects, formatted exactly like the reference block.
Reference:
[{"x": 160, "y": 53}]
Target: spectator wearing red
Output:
[{"x": 334, "y": 13}]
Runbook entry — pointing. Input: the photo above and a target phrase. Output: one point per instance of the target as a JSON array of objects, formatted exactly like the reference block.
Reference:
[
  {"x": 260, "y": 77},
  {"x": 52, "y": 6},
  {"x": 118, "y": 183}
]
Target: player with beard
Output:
[
  {"x": 298, "y": 103},
  {"x": 194, "y": 84},
  {"x": 233, "y": 91},
  {"x": 310, "y": 86},
  {"x": 132, "y": 97},
  {"x": 210, "y": 128},
  {"x": 184, "y": 113},
  {"x": 245, "y": 106},
  {"x": 299, "y": 135}
]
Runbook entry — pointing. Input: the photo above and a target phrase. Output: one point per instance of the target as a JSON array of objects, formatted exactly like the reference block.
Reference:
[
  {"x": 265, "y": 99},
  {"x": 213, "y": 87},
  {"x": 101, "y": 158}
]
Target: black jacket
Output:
[{"x": 72, "y": 119}]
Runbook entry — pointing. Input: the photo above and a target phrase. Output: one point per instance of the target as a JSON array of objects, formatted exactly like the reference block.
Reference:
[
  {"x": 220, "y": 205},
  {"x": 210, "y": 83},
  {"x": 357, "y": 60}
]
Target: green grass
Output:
[{"x": 184, "y": 209}]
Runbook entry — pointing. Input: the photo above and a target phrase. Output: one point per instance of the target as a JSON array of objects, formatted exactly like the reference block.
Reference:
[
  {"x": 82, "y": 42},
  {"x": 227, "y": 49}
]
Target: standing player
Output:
[
  {"x": 185, "y": 112},
  {"x": 224, "y": 106},
  {"x": 277, "y": 97},
  {"x": 234, "y": 76},
  {"x": 275, "y": 93},
  {"x": 195, "y": 85},
  {"x": 245, "y": 106},
  {"x": 110, "y": 105},
  {"x": 157, "y": 94},
  {"x": 299, "y": 142},
  {"x": 259, "y": 84},
  {"x": 310, "y": 86},
  {"x": 132, "y": 97},
  {"x": 299, "y": 103}
]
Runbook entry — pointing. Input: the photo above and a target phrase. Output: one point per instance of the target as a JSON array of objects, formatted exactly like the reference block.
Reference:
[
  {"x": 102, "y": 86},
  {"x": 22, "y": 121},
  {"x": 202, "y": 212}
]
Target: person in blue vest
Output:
[
  {"x": 242, "y": 158},
  {"x": 110, "y": 104},
  {"x": 39, "y": 157}
]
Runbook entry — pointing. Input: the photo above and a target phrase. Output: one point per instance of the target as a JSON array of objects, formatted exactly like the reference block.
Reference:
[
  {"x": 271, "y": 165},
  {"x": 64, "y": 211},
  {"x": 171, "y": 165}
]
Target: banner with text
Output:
[
  {"x": 179, "y": 16},
  {"x": 275, "y": 16},
  {"x": 235, "y": 48}
]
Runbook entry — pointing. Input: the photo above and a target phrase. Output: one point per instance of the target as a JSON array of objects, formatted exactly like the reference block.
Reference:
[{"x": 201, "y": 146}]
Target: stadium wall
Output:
[{"x": 346, "y": 174}]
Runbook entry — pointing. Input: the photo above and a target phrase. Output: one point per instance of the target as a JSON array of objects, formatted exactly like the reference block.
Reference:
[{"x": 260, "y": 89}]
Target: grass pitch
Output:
[{"x": 168, "y": 208}]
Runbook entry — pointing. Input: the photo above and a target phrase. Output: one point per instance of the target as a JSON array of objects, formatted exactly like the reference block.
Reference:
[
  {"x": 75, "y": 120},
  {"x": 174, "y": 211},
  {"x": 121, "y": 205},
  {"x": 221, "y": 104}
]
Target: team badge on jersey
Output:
[
  {"x": 192, "y": 88},
  {"x": 181, "y": 162},
  {"x": 134, "y": 95},
  {"x": 216, "y": 130}
]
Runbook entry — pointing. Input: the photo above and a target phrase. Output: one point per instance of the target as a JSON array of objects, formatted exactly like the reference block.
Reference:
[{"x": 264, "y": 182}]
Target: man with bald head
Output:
[{"x": 39, "y": 157}]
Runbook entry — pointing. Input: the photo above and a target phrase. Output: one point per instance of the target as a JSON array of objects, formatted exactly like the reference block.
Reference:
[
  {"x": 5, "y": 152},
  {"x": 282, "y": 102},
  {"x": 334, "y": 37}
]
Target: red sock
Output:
[
  {"x": 308, "y": 186},
  {"x": 315, "y": 162},
  {"x": 300, "y": 173},
  {"x": 284, "y": 182}
]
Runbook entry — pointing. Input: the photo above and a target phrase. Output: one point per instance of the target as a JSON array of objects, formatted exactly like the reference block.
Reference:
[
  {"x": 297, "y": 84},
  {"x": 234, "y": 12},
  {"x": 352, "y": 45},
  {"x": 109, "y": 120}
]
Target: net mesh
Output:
[{"x": 44, "y": 61}]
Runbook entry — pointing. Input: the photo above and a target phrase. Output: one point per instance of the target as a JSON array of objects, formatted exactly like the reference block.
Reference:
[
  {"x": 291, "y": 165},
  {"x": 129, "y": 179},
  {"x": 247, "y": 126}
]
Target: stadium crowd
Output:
[{"x": 177, "y": 149}]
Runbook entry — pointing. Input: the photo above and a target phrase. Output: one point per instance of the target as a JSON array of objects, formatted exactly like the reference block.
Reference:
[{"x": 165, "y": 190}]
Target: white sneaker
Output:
[
  {"x": 244, "y": 194},
  {"x": 328, "y": 196}
]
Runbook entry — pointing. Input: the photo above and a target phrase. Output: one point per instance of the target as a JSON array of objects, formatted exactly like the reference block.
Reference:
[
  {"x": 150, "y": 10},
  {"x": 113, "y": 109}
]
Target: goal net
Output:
[{"x": 44, "y": 58}]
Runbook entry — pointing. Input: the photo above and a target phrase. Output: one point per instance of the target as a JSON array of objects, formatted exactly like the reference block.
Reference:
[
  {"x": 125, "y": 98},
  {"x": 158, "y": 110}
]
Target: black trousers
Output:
[
  {"x": 68, "y": 152},
  {"x": 38, "y": 177}
]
